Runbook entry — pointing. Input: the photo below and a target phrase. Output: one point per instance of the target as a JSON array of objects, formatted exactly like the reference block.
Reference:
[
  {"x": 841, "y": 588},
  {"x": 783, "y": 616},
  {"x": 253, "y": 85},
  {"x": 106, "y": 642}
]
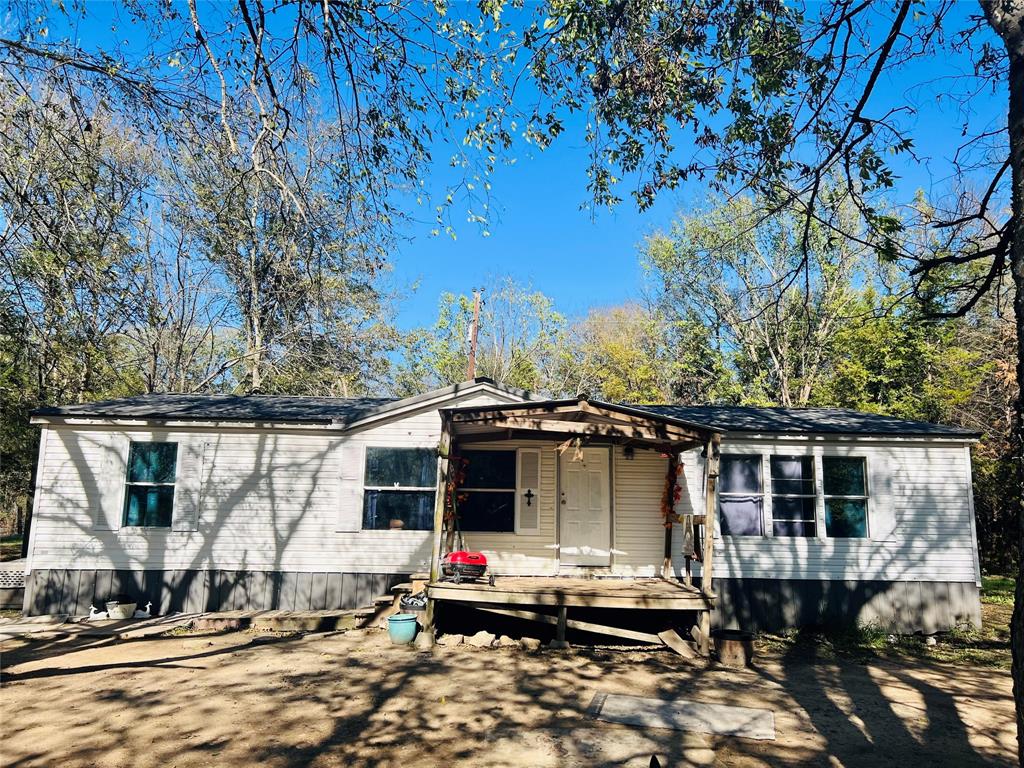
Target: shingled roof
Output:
[
  {"x": 827, "y": 421},
  {"x": 343, "y": 411},
  {"x": 255, "y": 408}
]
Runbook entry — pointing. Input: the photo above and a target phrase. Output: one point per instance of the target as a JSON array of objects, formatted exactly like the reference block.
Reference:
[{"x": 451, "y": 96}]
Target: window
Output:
[
  {"x": 399, "y": 486},
  {"x": 149, "y": 493},
  {"x": 793, "y": 495},
  {"x": 740, "y": 499},
  {"x": 487, "y": 498},
  {"x": 846, "y": 497}
]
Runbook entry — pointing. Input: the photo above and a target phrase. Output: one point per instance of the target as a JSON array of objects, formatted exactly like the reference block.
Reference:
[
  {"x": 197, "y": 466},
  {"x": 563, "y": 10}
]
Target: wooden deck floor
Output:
[{"x": 573, "y": 592}]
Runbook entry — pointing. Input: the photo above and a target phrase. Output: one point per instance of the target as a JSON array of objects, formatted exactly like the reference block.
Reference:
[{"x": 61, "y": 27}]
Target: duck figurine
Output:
[{"x": 95, "y": 615}]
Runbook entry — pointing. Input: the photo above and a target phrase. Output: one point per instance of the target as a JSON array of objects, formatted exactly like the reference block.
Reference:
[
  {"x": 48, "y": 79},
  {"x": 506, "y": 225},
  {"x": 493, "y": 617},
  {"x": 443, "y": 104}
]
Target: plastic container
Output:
[{"x": 402, "y": 628}]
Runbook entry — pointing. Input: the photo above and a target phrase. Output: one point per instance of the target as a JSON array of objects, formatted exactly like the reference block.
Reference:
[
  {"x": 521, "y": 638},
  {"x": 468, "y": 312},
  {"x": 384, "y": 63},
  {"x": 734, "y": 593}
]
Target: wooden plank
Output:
[
  {"x": 582, "y": 626},
  {"x": 560, "y": 624},
  {"x": 711, "y": 466},
  {"x": 672, "y": 639},
  {"x": 444, "y": 449},
  {"x": 685, "y": 602},
  {"x": 705, "y": 634}
]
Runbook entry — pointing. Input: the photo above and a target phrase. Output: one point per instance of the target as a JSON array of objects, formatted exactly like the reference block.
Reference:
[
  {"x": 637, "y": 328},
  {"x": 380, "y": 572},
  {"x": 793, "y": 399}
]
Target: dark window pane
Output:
[
  {"x": 793, "y": 528},
  {"x": 490, "y": 469},
  {"x": 793, "y": 475},
  {"x": 843, "y": 477},
  {"x": 789, "y": 508},
  {"x": 487, "y": 511},
  {"x": 740, "y": 474},
  {"x": 398, "y": 510},
  {"x": 152, "y": 462},
  {"x": 740, "y": 515},
  {"x": 846, "y": 518},
  {"x": 149, "y": 505},
  {"x": 408, "y": 467}
]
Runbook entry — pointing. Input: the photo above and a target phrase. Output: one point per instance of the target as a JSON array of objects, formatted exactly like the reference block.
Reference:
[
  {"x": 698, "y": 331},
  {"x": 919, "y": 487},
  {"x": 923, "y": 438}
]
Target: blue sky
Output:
[
  {"x": 584, "y": 258},
  {"x": 538, "y": 233}
]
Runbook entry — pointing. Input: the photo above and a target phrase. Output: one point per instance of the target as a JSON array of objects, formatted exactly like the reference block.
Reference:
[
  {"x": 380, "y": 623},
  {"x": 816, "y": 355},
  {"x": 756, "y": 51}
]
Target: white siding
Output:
[
  {"x": 269, "y": 500},
  {"x": 920, "y": 521}
]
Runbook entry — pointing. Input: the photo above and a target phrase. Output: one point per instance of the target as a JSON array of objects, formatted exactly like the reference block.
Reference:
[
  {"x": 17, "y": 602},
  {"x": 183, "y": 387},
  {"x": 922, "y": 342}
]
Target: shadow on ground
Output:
[{"x": 240, "y": 700}]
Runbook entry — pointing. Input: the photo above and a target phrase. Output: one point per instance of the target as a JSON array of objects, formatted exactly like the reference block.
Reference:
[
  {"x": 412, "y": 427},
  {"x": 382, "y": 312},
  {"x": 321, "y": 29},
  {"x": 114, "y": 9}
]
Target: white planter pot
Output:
[{"x": 120, "y": 610}]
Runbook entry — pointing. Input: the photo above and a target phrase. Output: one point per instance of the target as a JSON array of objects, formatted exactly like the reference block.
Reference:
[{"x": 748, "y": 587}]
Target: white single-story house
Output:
[{"x": 216, "y": 502}]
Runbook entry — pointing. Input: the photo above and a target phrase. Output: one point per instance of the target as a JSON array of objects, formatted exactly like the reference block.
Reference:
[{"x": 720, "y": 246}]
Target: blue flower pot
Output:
[{"x": 402, "y": 628}]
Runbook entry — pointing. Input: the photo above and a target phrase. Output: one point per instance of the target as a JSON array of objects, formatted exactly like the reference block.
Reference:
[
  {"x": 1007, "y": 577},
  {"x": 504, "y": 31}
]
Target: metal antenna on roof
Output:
[{"x": 474, "y": 329}]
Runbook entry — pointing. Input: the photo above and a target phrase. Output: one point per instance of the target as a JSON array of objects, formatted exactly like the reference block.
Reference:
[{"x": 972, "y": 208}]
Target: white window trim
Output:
[
  {"x": 770, "y": 495},
  {"x": 514, "y": 490},
  {"x": 818, "y": 453},
  {"x": 866, "y": 498},
  {"x": 366, "y": 447},
  {"x": 127, "y": 484},
  {"x": 764, "y": 502}
]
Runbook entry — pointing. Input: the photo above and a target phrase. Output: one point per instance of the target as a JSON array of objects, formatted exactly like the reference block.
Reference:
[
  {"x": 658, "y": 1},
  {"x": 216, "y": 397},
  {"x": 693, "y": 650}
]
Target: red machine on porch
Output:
[{"x": 462, "y": 565}]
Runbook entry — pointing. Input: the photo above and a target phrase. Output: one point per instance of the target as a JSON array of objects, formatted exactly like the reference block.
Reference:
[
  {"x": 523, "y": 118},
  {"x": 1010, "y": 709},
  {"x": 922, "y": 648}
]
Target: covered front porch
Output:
[{"x": 598, "y": 520}]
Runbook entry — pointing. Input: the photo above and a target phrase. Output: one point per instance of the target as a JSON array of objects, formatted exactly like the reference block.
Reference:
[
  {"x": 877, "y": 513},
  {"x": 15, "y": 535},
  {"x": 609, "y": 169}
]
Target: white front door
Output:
[{"x": 585, "y": 508}]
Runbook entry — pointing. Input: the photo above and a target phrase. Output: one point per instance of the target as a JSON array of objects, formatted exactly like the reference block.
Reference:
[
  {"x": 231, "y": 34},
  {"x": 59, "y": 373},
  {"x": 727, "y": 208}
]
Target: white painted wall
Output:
[{"x": 269, "y": 500}]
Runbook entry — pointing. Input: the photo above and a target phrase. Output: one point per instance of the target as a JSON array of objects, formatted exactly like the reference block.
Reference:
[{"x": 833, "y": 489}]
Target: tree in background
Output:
[
  {"x": 736, "y": 272},
  {"x": 519, "y": 339},
  {"x": 618, "y": 354}
]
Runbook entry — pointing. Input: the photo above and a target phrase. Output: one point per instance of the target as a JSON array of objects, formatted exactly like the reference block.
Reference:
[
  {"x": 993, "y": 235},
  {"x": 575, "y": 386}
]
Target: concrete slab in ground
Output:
[
  {"x": 719, "y": 719},
  {"x": 598, "y": 747}
]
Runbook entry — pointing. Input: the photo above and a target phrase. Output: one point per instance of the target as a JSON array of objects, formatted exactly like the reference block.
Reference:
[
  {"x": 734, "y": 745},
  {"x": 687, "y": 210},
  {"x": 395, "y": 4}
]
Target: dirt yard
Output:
[{"x": 353, "y": 700}]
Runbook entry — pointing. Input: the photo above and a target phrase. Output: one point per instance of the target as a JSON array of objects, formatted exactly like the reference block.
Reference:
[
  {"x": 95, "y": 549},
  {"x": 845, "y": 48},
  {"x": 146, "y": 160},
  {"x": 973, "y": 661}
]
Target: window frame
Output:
[
  {"x": 514, "y": 491},
  {"x": 771, "y": 496},
  {"x": 719, "y": 493},
  {"x": 818, "y": 455},
  {"x": 866, "y": 498},
  {"x": 397, "y": 488},
  {"x": 128, "y": 484}
]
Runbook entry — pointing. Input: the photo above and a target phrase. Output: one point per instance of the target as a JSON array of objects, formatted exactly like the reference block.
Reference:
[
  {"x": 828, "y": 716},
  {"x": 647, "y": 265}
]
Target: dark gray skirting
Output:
[
  {"x": 752, "y": 604},
  {"x": 899, "y": 606},
  {"x": 74, "y": 591}
]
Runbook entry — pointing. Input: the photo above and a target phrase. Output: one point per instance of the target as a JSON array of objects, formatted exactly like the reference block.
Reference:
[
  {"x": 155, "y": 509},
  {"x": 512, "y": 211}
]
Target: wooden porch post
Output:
[
  {"x": 710, "y": 491},
  {"x": 443, "y": 451}
]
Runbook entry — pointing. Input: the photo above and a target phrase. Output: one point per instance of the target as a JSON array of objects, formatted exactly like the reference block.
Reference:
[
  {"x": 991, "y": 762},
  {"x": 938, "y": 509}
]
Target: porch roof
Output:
[{"x": 577, "y": 417}]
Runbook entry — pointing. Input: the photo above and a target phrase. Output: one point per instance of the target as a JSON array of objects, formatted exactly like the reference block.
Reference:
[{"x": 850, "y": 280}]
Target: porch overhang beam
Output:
[
  {"x": 665, "y": 446},
  {"x": 653, "y": 431}
]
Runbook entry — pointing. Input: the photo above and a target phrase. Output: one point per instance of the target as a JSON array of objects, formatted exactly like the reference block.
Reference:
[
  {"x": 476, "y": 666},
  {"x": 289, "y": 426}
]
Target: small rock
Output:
[
  {"x": 450, "y": 640},
  {"x": 558, "y": 645},
  {"x": 507, "y": 642},
  {"x": 530, "y": 644},
  {"x": 930, "y": 640},
  {"x": 481, "y": 639}
]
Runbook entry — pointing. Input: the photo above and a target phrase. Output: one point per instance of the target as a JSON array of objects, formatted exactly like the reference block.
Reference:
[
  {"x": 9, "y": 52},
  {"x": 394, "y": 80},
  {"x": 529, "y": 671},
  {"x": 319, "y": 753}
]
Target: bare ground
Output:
[{"x": 354, "y": 700}]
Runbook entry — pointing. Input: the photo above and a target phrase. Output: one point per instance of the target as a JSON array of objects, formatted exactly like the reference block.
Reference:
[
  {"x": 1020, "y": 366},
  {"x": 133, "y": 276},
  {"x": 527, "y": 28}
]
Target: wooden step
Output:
[
  {"x": 424, "y": 576},
  {"x": 384, "y": 600},
  {"x": 402, "y": 588}
]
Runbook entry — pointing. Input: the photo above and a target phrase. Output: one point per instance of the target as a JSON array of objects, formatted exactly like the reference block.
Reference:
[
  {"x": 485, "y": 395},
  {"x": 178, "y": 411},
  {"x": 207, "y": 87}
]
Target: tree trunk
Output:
[{"x": 1007, "y": 18}]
